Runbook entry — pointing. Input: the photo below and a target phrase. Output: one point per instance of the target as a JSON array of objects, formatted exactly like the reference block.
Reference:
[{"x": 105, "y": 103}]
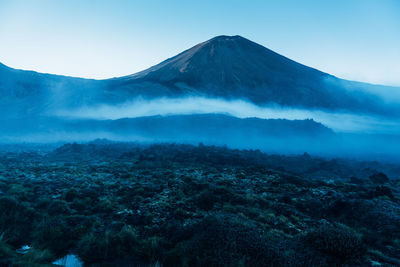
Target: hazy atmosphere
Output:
[{"x": 210, "y": 133}]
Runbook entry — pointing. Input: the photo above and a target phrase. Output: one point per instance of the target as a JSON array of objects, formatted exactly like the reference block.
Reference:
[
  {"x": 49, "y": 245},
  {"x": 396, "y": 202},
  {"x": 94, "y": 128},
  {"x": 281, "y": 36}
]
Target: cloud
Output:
[{"x": 338, "y": 121}]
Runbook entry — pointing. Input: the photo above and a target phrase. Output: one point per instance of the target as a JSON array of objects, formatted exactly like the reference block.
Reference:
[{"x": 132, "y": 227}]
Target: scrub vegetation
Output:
[{"x": 124, "y": 204}]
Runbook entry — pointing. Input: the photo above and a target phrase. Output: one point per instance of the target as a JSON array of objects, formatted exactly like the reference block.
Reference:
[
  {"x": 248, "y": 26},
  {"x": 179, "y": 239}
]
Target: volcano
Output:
[
  {"x": 226, "y": 67},
  {"x": 234, "y": 67}
]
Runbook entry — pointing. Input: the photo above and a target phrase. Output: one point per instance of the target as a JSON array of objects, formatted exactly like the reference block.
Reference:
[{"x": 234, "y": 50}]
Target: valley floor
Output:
[{"x": 114, "y": 204}]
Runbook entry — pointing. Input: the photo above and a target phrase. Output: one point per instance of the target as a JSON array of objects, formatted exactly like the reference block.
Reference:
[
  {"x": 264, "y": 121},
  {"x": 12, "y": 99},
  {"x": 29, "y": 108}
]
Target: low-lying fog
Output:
[
  {"x": 339, "y": 121},
  {"x": 363, "y": 136}
]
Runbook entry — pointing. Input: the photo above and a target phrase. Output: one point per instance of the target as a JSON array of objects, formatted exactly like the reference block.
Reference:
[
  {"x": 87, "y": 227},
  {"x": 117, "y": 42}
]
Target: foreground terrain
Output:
[{"x": 115, "y": 204}]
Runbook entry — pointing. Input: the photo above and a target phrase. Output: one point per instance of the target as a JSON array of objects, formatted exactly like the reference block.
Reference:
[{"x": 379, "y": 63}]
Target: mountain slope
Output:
[
  {"x": 28, "y": 93},
  {"x": 234, "y": 67},
  {"x": 228, "y": 67}
]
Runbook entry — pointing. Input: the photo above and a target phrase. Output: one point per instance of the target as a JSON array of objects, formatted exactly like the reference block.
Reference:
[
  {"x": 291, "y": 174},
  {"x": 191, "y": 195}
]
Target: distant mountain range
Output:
[
  {"x": 228, "y": 67},
  {"x": 271, "y": 135},
  {"x": 218, "y": 129}
]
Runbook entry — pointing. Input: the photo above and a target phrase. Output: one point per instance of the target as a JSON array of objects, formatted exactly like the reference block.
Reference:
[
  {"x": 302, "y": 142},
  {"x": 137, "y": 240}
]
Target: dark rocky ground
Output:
[{"x": 116, "y": 204}]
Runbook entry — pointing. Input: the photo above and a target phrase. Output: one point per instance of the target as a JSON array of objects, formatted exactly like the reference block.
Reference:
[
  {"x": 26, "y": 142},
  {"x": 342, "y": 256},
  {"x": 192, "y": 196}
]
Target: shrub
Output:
[
  {"x": 151, "y": 248},
  {"x": 340, "y": 242},
  {"x": 225, "y": 240},
  {"x": 205, "y": 200},
  {"x": 15, "y": 221},
  {"x": 109, "y": 246},
  {"x": 58, "y": 207},
  {"x": 5, "y": 251},
  {"x": 71, "y": 194},
  {"x": 54, "y": 234},
  {"x": 379, "y": 178}
]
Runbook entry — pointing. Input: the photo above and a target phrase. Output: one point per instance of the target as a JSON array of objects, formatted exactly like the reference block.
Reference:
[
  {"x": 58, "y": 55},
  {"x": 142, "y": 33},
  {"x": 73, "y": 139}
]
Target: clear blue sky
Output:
[{"x": 353, "y": 39}]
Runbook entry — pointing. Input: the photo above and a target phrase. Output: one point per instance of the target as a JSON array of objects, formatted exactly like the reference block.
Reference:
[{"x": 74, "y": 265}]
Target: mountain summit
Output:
[
  {"x": 235, "y": 67},
  {"x": 225, "y": 61}
]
